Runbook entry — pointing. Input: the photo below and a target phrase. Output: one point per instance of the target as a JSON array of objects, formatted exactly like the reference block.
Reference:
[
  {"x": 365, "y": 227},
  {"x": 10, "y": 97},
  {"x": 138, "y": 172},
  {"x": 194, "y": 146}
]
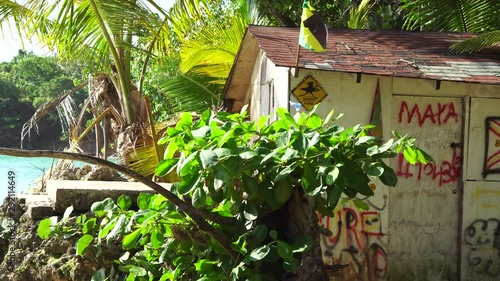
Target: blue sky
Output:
[{"x": 10, "y": 42}]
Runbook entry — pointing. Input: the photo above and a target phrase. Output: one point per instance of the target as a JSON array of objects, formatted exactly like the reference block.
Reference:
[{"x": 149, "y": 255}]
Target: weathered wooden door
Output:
[{"x": 424, "y": 206}]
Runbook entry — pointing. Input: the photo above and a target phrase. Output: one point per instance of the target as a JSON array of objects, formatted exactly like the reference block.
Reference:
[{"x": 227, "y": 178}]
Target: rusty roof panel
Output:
[{"x": 392, "y": 53}]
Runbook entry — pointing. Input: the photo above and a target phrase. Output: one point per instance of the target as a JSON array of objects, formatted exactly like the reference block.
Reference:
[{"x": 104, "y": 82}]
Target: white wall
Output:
[{"x": 360, "y": 238}]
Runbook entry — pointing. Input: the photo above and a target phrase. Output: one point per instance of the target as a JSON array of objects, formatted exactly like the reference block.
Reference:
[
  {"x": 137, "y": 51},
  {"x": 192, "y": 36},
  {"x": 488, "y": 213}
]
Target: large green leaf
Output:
[
  {"x": 259, "y": 253},
  {"x": 124, "y": 202},
  {"x": 157, "y": 238},
  {"x": 130, "y": 240},
  {"x": 389, "y": 177},
  {"x": 199, "y": 198},
  {"x": 302, "y": 244},
  {"x": 283, "y": 190},
  {"x": 284, "y": 250},
  {"x": 373, "y": 169},
  {"x": 311, "y": 182},
  {"x": 166, "y": 166},
  {"x": 259, "y": 234},
  {"x": 83, "y": 243},
  {"x": 332, "y": 176},
  {"x": 188, "y": 183},
  {"x": 283, "y": 173},
  {"x": 333, "y": 195},
  {"x": 208, "y": 158},
  {"x": 44, "y": 229}
]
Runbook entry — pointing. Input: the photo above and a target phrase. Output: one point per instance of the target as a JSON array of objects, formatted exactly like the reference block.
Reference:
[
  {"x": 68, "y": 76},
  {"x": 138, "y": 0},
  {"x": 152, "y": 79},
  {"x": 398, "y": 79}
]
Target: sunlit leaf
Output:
[
  {"x": 83, "y": 243},
  {"x": 259, "y": 253}
]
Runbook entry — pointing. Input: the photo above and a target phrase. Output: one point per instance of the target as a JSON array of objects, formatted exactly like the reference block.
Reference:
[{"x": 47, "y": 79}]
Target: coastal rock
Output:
[
  {"x": 28, "y": 258},
  {"x": 95, "y": 173}
]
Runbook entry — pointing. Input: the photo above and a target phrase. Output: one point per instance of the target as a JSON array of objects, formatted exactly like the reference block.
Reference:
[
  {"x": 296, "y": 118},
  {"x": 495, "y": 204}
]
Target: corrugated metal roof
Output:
[{"x": 392, "y": 53}]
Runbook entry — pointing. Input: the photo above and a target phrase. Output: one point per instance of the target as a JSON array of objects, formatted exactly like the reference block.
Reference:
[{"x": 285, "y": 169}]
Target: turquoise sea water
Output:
[{"x": 26, "y": 171}]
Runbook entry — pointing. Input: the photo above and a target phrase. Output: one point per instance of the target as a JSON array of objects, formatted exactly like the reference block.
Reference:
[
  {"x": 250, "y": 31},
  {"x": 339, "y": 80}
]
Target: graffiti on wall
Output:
[
  {"x": 436, "y": 114},
  {"x": 482, "y": 238},
  {"x": 492, "y": 151},
  {"x": 448, "y": 171},
  {"x": 356, "y": 244}
]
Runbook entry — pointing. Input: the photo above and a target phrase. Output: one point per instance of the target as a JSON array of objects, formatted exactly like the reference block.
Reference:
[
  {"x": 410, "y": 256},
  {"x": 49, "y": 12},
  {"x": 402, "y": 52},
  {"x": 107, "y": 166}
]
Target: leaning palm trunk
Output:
[{"x": 135, "y": 144}]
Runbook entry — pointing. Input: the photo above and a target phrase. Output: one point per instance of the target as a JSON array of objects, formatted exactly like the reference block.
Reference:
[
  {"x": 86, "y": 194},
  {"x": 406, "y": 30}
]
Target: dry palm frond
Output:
[
  {"x": 141, "y": 155},
  {"x": 44, "y": 110},
  {"x": 66, "y": 111}
]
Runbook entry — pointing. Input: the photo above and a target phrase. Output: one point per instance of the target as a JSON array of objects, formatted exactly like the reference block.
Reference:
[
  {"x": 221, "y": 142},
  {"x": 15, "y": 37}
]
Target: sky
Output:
[{"x": 10, "y": 42}]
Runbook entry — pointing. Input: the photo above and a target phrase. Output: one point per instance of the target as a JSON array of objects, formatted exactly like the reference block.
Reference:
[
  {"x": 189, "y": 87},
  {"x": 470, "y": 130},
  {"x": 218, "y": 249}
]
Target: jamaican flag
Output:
[{"x": 313, "y": 32}]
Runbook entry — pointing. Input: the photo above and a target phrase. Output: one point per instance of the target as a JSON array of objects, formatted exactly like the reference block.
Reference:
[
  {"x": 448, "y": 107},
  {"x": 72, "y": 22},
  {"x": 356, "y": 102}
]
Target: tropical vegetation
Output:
[
  {"x": 479, "y": 16},
  {"x": 26, "y": 83},
  {"x": 180, "y": 58},
  {"x": 245, "y": 205},
  {"x": 234, "y": 177}
]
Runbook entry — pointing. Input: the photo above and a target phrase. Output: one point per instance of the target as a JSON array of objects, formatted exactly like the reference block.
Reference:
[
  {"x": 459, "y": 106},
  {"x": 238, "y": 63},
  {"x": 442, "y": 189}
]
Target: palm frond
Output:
[
  {"x": 190, "y": 92},
  {"x": 478, "y": 43},
  {"x": 452, "y": 15},
  {"x": 12, "y": 10},
  {"x": 248, "y": 11},
  {"x": 44, "y": 110},
  {"x": 187, "y": 14},
  {"x": 213, "y": 51},
  {"x": 358, "y": 16},
  {"x": 73, "y": 28}
]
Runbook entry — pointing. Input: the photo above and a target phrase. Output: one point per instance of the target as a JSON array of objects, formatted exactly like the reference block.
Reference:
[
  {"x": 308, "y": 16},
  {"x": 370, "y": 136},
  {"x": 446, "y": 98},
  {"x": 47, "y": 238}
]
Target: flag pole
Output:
[{"x": 296, "y": 74}]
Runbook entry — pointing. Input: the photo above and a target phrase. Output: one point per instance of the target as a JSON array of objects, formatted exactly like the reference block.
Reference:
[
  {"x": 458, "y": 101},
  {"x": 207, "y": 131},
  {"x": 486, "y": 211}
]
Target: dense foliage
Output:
[
  {"x": 480, "y": 16},
  {"x": 38, "y": 79},
  {"x": 27, "y": 82},
  {"x": 384, "y": 14},
  {"x": 246, "y": 178}
]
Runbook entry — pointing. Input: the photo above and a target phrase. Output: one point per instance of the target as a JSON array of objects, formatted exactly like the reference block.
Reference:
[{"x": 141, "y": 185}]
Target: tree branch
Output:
[{"x": 195, "y": 214}]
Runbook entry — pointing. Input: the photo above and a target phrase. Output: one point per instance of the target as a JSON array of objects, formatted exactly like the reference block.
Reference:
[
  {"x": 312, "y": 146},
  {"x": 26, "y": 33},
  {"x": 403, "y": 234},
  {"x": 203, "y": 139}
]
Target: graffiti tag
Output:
[
  {"x": 482, "y": 237},
  {"x": 436, "y": 114},
  {"x": 356, "y": 244},
  {"x": 447, "y": 171}
]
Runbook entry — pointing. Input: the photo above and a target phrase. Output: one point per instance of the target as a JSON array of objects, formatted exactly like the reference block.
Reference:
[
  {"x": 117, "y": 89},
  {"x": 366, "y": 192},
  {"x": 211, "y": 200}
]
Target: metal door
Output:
[{"x": 424, "y": 206}]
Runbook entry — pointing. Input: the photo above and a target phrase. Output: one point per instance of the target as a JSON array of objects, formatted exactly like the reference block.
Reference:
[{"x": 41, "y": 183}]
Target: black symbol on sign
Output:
[{"x": 310, "y": 89}]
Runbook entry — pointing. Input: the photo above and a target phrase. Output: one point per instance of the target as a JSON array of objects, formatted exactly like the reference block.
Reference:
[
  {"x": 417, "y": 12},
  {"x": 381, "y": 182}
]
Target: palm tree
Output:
[
  {"x": 205, "y": 58},
  {"x": 108, "y": 35},
  {"x": 195, "y": 79},
  {"x": 482, "y": 16},
  {"x": 105, "y": 37}
]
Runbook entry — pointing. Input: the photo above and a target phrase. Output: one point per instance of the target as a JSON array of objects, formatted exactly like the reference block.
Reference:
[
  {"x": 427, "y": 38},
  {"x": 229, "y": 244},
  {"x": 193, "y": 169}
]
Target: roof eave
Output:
[{"x": 240, "y": 75}]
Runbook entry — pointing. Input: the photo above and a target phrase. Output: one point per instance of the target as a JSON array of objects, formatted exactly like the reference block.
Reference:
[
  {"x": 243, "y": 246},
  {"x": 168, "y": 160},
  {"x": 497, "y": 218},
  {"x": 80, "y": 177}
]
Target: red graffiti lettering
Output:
[
  {"x": 444, "y": 172},
  {"x": 351, "y": 222},
  {"x": 356, "y": 243},
  {"x": 440, "y": 115}
]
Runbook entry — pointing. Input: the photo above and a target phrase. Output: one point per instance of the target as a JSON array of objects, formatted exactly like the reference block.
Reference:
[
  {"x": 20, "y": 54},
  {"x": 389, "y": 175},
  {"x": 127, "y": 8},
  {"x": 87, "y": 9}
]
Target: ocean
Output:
[{"x": 26, "y": 171}]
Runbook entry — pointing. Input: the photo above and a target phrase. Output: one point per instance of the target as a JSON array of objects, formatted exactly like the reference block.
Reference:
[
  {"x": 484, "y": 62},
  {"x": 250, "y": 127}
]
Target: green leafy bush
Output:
[{"x": 245, "y": 179}]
